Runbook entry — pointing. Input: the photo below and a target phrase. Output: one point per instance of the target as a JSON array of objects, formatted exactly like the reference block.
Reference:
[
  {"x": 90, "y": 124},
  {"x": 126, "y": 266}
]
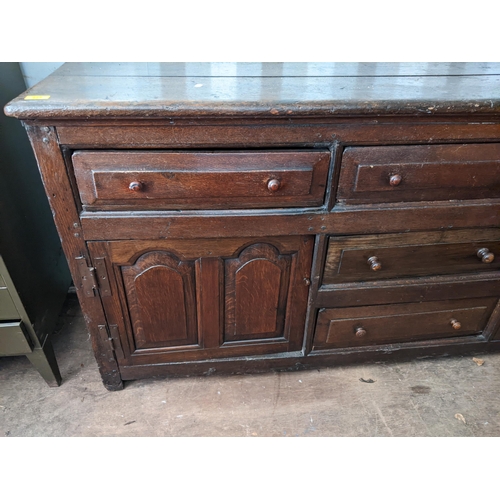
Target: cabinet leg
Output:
[
  {"x": 44, "y": 360},
  {"x": 114, "y": 385},
  {"x": 106, "y": 362}
]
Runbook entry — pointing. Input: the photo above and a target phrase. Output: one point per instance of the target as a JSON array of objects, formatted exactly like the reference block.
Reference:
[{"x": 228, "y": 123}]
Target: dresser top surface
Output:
[{"x": 165, "y": 90}]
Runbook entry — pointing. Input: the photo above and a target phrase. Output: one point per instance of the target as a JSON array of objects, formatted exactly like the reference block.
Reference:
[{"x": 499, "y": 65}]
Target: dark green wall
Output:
[{"x": 29, "y": 243}]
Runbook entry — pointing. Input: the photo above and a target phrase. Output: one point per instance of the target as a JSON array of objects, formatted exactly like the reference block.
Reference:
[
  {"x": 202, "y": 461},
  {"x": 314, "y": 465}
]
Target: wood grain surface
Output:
[{"x": 104, "y": 92}]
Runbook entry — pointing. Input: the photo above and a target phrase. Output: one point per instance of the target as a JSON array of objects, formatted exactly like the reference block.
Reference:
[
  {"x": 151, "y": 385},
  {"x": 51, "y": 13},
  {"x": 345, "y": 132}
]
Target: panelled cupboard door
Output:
[
  {"x": 200, "y": 299},
  {"x": 159, "y": 291}
]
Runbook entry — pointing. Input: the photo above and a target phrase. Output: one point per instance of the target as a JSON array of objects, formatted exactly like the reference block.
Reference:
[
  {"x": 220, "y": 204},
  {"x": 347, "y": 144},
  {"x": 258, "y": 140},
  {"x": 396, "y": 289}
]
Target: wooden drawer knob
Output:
[
  {"x": 485, "y": 255},
  {"x": 395, "y": 180},
  {"x": 135, "y": 186},
  {"x": 375, "y": 265},
  {"x": 455, "y": 324},
  {"x": 273, "y": 185},
  {"x": 360, "y": 332}
]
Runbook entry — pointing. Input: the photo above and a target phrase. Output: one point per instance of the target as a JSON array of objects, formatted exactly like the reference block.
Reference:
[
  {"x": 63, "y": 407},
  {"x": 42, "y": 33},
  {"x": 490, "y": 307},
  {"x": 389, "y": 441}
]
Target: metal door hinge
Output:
[
  {"x": 112, "y": 337},
  {"x": 88, "y": 282},
  {"x": 93, "y": 278},
  {"x": 102, "y": 276}
]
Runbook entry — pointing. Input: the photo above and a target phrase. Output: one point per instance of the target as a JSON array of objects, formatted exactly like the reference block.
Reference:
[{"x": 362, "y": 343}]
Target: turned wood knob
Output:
[
  {"x": 135, "y": 186},
  {"x": 375, "y": 265},
  {"x": 273, "y": 185},
  {"x": 395, "y": 180},
  {"x": 455, "y": 324},
  {"x": 485, "y": 255},
  {"x": 360, "y": 332}
]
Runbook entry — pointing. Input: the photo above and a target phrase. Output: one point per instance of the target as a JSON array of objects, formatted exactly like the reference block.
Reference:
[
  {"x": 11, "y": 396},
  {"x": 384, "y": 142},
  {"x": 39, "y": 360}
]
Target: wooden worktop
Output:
[{"x": 166, "y": 90}]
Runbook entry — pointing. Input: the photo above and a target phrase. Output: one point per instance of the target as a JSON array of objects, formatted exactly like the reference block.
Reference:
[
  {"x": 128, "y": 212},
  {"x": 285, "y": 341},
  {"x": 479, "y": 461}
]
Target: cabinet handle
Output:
[
  {"x": 455, "y": 324},
  {"x": 273, "y": 185},
  {"x": 135, "y": 186},
  {"x": 485, "y": 255},
  {"x": 375, "y": 265},
  {"x": 395, "y": 180},
  {"x": 360, "y": 332}
]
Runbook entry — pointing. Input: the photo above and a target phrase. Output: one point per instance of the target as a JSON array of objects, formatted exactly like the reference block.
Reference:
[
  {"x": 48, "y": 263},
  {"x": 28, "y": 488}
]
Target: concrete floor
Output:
[{"x": 419, "y": 398}]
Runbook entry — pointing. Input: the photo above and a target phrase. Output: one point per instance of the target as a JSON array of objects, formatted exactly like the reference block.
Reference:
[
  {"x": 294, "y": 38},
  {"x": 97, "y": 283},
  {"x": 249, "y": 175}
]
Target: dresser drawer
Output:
[
  {"x": 376, "y": 257},
  {"x": 361, "y": 326},
  {"x": 174, "y": 180},
  {"x": 419, "y": 173}
]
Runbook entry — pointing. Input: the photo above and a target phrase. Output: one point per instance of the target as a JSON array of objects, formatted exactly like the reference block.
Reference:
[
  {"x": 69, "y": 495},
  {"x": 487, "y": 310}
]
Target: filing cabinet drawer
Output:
[
  {"x": 7, "y": 308},
  {"x": 14, "y": 340},
  {"x": 371, "y": 325},
  {"x": 386, "y": 256},
  {"x": 174, "y": 180},
  {"x": 419, "y": 173}
]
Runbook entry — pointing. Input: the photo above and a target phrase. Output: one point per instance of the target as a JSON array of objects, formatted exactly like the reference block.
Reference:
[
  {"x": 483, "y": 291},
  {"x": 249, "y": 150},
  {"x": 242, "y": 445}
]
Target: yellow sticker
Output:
[{"x": 36, "y": 97}]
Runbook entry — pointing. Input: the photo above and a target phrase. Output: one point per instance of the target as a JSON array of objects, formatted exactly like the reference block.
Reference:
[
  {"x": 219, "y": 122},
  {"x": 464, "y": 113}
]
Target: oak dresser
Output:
[{"x": 246, "y": 217}]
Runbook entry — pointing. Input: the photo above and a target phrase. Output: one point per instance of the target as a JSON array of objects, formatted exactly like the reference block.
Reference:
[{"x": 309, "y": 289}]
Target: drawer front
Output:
[
  {"x": 419, "y": 173},
  {"x": 362, "y": 326},
  {"x": 7, "y": 308},
  {"x": 376, "y": 257},
  {"x": 163, "y": 180},
  {"x": 14, "y": 340}
]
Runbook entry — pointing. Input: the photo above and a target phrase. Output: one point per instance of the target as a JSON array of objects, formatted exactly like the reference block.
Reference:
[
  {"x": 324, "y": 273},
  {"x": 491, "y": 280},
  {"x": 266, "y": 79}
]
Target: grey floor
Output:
[{"x": 418, "y": 398}]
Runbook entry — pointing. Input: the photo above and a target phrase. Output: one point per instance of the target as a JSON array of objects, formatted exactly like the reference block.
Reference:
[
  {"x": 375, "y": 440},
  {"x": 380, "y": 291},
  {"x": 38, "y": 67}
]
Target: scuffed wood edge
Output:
[
  {"x": 21, "y": 109},
  {"x": 318, "y": 359},
  {"x": 57, "y": 185}
]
